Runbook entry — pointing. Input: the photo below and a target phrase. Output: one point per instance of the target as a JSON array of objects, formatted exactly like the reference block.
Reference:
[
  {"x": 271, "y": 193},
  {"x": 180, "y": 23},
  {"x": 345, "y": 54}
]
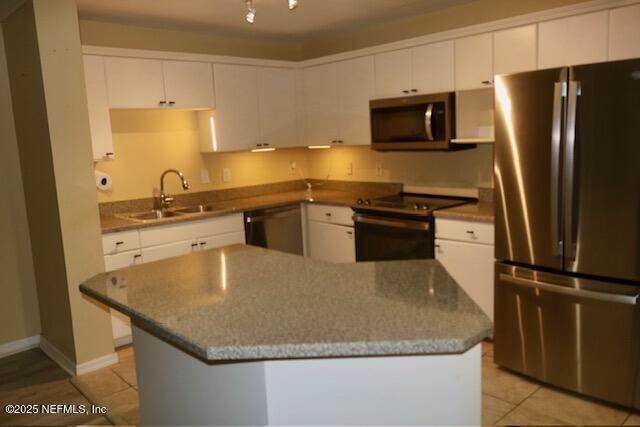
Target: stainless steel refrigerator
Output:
[{"x": 567, "y": 175}]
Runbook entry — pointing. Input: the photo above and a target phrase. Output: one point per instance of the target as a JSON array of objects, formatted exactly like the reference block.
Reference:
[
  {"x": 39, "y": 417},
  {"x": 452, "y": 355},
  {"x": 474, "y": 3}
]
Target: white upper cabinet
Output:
[
  {"x": 98, "y": 104},
  {"x": 575, "y": 40},
  {"x": 433, "y": 67},
  {"x": 150, "y": 83},
  {"x": 188, "y": 84},
  {"x": 515, "y": 50},
  {"x": 393, "y": 73},
  {"x": 624, "y": 33},
  {"x": 474, "y": 62},
  {"x": 356, "y": 87},
  {"x": 236, "y": 107},
  {"x": 321, "y": 104},
  {"x": 134, "y": 83},
  {"x": 277, "y": 106}
]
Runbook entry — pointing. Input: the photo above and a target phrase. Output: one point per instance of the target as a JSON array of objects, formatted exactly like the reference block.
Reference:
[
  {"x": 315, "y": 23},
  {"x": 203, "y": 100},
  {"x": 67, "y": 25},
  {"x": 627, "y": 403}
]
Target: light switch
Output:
[
  {"x": 350, "y": 168},
  {"x": 379, "y": 171},
  {"x": 204, "y": 176},
  {"x": 226, "y": 175},
  {"x": 292, "y": 167}
]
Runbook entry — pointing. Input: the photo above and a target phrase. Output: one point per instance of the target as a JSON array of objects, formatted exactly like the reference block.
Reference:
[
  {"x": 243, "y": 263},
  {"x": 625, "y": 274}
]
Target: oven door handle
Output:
[{"x": 395, "y": 223}]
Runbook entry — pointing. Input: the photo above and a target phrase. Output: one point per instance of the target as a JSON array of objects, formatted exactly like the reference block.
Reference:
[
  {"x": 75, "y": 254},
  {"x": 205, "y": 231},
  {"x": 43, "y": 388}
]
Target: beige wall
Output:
[
  {"x": 52, "y": 127},
  {"x": 19, "y": 314},
  {"x": 147, "y": 142},
  {"x": 467, "y": 169},
  {"x": 475, "y": 12},
  {"x": 97, "y": 33}
]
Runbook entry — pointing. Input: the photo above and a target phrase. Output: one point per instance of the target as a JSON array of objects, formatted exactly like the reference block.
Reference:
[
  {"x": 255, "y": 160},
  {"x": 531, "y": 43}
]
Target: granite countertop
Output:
[
  {"x": 479, "y": 211},
  {"x": 114, "y": 223},
  {"x": 247, "y": 303}
]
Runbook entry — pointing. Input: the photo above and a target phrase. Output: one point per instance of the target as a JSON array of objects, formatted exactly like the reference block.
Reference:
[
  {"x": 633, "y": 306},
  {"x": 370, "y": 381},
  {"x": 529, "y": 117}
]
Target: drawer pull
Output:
[
  {"x": 136, "y": 256},
  {"x": 203, "y": 243},
  {"x": 193, "y": 245},
  {"x": 327, "y": 214},
  {"x": 471, "y": 232},
  {"x": 119, "y": 243}
]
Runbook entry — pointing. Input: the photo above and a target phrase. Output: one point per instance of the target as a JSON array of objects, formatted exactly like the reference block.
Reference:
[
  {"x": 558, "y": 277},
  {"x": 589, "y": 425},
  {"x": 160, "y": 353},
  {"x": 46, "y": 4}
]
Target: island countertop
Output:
[{"x": 246, "y": 303}]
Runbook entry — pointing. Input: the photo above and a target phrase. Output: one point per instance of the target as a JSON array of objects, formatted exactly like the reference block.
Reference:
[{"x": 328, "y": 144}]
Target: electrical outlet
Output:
[
  {"x": 379, "y": 171},
  {"x": 204, "y": 176},
  {"x": 350, "y": 168},
  {"x": 292, "y": 167},
  {"x": 226, "y": 175}
]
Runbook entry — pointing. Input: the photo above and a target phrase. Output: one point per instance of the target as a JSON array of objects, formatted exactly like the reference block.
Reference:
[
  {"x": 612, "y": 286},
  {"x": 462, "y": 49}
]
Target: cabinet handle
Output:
[
  {"x": 487, "y": 82},
  {"x": 328, "y": 214},
  {"x": 172, "y": 103},
  {"x": 193, "y": 245},
  {"x": 414, "y": 90},
  {"x": 405, "y": 91},
  {"x": 203, "y": 243},
  {"x": 162, "y": 103},
  {"x": 350, "y": 233},
  {"x": 258, "y": 145},
  {"x": 471, "y": 233},
  {"x": 266, "y": 144},
  {"x": 108, "y": 154},
  {"x": 437, "y": 246},
  {"x": 136, "y": 256},
  {"x": 119, "y": 243},
  {"x": 340, "y": 141}
]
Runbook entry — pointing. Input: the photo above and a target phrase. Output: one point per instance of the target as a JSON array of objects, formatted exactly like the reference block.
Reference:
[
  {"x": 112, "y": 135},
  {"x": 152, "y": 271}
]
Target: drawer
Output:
[
  {"x": 330, "y": 214},
  {"x": 464, "y": 231},
  {"x": 212, "y": 242},
  {"x": 113, "y": 243},
  {"x": 163, "y": 234},
  {"x": 122, "y": 260}
]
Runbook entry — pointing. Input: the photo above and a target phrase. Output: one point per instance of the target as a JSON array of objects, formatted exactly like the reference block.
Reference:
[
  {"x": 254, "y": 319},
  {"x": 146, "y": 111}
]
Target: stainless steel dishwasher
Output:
[{"x": 275, "y": 228}]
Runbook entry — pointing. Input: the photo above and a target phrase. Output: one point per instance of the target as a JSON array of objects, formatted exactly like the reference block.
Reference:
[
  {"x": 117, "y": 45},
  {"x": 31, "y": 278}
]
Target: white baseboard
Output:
[
  {"x": 95, "y": 364},
  {"x": 122, "y": 341},
  {"x": 57, "y": 356},
  {"x": 19, "y": 346}
]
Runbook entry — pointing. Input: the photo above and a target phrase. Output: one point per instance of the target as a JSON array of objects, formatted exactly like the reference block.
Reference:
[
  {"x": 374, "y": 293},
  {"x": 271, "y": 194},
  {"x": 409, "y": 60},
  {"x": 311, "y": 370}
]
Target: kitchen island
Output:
[{"x": 245, "y": 335}]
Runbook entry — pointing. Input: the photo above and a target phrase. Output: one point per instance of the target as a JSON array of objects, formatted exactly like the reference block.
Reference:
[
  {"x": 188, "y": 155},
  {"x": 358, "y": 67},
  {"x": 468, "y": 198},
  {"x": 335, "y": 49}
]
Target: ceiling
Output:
[{"x": 311, "y": 19}]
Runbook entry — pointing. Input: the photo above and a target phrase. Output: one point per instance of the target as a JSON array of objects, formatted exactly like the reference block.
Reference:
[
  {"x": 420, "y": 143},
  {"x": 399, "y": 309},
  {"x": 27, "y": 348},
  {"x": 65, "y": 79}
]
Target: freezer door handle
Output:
[
  {"x": 570, "y": 245},
  {"x": 559, "y": 94},
  {"x": 564, "y": 290}
]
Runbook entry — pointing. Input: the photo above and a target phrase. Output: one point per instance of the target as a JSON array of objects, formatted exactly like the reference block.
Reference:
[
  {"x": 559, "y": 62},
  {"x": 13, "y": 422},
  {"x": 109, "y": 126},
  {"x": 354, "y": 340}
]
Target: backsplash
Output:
[{"x": 147, "y": 142}]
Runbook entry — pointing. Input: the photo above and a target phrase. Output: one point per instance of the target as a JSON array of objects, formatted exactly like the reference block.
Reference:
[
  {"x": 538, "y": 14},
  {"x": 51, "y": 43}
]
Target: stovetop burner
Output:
[{"x": 408, "y": 203}]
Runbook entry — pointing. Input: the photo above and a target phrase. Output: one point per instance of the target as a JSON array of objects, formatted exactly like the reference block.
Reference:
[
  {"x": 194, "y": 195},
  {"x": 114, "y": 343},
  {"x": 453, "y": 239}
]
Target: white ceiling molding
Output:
[{"x": 531, "y": 18}]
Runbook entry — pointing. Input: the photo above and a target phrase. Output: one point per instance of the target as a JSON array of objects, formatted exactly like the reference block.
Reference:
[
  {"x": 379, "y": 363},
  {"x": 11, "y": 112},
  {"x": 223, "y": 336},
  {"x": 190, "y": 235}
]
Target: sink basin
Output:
[
  {"x": 151, "y": 215},
  {"x": 196, "y": 209}
]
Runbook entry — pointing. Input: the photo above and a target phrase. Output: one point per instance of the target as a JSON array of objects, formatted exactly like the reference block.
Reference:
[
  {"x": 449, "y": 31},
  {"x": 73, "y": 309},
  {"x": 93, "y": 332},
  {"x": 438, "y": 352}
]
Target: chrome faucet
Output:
[{"x": 164, "y": 200}]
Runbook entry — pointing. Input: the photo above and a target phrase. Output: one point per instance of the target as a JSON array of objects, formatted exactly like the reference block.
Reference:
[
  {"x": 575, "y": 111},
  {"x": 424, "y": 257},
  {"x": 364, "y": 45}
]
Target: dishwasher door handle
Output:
[
  {"x": 574, "y": 292},
  {"x": 278, "y": 214},
  {"x": 395, "y": 223}
]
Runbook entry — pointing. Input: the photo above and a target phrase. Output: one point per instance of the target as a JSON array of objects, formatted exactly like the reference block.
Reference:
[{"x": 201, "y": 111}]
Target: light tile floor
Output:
[{"x": 507, "y": 399}]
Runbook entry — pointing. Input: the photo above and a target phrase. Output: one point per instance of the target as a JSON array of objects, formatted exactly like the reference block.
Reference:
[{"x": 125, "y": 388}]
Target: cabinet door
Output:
[
  {"x": 329, "y": 242},
  {"x": 221, "y": 240},
  {"x": 393, "y": 73},
  {"x": 514, "y": 50},
  {"x": 321, "y": 104},
  {"x": 433, "y": 68},
  {"x": 471, "y": 266},
  {"x": 134, "y": 83},
  {"x": 98, "y": 104},
  {"x": 237, "y": 107},
  {"x": 356, "y": 87},
  {"x": 575, "y": 40},
  {"x": 155, "y": 253},
  {"x": 277, "y": 107},
  {"x": 188, "y": 84},
  {"x": 474, "y": 62},
  {"x": 122, "y": 260},
  {"x": 624, "y": 33}
]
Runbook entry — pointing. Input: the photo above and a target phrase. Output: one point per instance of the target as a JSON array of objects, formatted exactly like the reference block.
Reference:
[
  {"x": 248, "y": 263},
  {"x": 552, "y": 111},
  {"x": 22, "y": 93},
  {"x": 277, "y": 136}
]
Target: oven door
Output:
[{"x": 380, "y": 238}]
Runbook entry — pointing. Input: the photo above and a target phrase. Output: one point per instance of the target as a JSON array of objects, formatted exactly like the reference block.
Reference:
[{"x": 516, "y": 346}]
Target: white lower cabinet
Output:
[
  {"x": 330, "y": 242},
  {"x": 471, "y": 264},
  {"x": 329, "y": 234},
  {"x": 127, "y": 248}
]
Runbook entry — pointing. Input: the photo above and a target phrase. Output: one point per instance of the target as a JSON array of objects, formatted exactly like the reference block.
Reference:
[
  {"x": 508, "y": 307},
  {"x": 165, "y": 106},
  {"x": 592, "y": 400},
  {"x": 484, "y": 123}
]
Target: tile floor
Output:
[{"x": 507, "y": 399}]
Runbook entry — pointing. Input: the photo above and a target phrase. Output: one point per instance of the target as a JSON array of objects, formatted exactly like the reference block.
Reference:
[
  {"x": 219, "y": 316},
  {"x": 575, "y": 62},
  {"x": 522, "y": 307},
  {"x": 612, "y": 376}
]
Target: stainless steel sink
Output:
[
  {"x": 197, "y": 209},
  {"x": 151, "y": 215}
]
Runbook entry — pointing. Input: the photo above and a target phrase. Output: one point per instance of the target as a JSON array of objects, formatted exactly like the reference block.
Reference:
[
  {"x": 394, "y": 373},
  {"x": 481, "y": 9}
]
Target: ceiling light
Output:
[
  {"x": 293, "y": 4},
  {"x": 251, "y": 12}
]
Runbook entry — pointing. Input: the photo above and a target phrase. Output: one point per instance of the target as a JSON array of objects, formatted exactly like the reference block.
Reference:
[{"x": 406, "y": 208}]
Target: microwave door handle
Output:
[
  {"x": 559, "y": 93},
  {"x": 428, "y": 118}
]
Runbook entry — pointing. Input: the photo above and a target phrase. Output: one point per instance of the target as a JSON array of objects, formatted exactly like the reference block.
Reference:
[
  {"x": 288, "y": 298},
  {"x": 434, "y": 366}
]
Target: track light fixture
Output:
[{"x": 251, "y": 10}]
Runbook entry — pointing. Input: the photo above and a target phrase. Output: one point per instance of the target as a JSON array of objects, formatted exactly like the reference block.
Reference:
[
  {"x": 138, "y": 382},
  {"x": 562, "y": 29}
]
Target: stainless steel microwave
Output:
[{"x": 421, "y": 122}]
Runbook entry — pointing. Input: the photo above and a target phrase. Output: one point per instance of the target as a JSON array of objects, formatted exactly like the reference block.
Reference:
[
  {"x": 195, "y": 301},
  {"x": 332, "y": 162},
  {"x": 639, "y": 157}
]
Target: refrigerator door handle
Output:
[
  {"x": 570, "y": 244},
  {"x": 559, "y": 94},
  {"x": 564, "y": 290}
]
